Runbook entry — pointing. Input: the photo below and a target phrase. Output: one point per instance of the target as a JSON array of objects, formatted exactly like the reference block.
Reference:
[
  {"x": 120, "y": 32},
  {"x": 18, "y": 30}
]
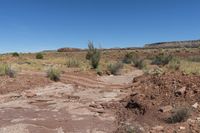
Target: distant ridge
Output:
[
  {"x": 175, "y": 44},
  {"x": 69, "y": 49}
]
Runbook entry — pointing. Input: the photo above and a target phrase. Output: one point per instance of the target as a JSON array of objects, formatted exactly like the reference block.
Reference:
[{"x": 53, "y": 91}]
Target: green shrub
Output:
[
  {"x": 180, "y": 115},
  {"x": 53, "y": 74},
  {"x": 6, "y": 69},
  {"x": 161, "y": 59},
  {"x": 95, "y": 59},
  {"x": 90, "y": 51},
  {"x": 73, "y": 63},
  {"x": 39, "y": 56},
  {"x": 129, "y": 58},
  {"x": 175, "y": 64},
  {"x": 115, "y": 68},
  {"x": 94, "y": 55},
  {"x": 15, "y": 54},
  {"x": 139, "y": 63}
]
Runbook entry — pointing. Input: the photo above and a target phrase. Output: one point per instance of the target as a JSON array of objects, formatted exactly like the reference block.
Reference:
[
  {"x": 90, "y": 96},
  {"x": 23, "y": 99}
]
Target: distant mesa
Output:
[
  {"x": 175, "y": 44},
  {"x": 69, "y": 50}
]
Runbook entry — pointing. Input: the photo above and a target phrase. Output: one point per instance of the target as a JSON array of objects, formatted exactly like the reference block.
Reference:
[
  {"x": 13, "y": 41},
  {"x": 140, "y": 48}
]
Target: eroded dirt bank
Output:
[{"x": 153, "y": 104}]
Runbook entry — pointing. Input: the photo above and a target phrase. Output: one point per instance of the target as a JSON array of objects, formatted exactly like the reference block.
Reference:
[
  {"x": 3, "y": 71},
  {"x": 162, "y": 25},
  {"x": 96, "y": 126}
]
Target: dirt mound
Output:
[{"x": 155, "y": 98}]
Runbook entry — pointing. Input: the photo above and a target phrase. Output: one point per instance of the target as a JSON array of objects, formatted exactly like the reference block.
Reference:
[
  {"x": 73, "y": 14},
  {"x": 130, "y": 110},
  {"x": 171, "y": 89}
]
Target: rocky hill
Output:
[{"x": 175, "y": 44}]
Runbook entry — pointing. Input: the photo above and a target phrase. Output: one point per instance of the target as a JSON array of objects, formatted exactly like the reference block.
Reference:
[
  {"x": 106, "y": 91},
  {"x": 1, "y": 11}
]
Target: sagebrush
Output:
[{"x": 53, "y": 74}]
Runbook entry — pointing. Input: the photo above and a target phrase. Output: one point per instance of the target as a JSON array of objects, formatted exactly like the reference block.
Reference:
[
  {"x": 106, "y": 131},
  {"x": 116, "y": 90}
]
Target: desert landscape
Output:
[
  {"x": 129, "y": 90},
  {"x": 99, "y": 66}
]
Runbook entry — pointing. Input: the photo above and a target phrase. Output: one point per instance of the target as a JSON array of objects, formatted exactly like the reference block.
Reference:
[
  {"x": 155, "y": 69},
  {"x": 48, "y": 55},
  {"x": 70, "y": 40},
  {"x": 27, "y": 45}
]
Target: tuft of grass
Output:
[
  {"x": 73, "y": 63},
  {"x": 180, "y": 115},
  {"x": 162, "y": 59},
  {"x": 174, "y": 64},
  {"x": 115, "y": 68},
  {"x": 189, "y": 67},
  {"x": 15, "y": 54},
  {"x": 6, "y": 69},
  {"x": 53, "y": 74},
  {"x": 39, "y": 56}
]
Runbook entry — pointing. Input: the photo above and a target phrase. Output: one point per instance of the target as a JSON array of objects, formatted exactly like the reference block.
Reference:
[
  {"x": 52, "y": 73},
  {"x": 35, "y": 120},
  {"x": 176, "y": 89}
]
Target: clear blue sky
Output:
[{"x": 34, "y": 25}]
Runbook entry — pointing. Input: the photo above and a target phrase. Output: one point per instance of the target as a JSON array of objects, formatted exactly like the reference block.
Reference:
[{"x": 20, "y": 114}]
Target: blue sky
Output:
[{"x": 34, "y": 25}]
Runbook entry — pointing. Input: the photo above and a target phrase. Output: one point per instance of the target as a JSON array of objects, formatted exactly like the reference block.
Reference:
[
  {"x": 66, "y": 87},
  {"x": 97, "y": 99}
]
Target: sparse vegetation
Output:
[
  {"x": 139, "y": 63},
  {"x": 15, "y": 54},
  {"x": 90, "y": 51},
  {"x": 194, "y": 58},
  {"x": 162, "y": 59},
  {"x": 174, "y": 64},
  {"x": 129, "y": 58},
  {"x": 72, "y": 62},
  {"x": 53, "y": 74},
  {"x": 93, "y": 55},
  {"x": 39, "y": 56},
  {"x": 189, "y": 67},
  {"x": 180, "y": 115},
  {"x": 6, "y": 69},
  {"x": 115, "y": 68}
]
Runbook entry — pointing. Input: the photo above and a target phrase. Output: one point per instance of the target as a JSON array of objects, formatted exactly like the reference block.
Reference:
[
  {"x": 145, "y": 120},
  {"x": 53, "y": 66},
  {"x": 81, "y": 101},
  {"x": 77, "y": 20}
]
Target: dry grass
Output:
[{"x": 189, "y": 67}]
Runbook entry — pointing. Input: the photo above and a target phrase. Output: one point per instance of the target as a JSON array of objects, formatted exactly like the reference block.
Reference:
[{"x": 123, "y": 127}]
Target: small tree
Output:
[
  {"x": 93, "y": 54},
  {"x": 91, "y": 50}
]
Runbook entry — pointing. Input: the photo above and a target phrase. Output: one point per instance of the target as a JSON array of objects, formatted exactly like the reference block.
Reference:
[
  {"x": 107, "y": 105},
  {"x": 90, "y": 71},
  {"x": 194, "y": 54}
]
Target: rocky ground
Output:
[
  {"x": 75, "y": 104},
  {"x": 155, "y": 99},
  {"x": 81, "y": 103}
]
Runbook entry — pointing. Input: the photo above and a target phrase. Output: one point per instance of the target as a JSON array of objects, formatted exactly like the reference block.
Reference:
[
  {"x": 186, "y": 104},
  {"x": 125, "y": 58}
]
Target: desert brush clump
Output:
[
  {"x": 115, "y": 68},
  {"x": 39, "y": 56},
  {"x": 139, "y": 63},
  {"x": 129, "y": 58},
  {"x": 15, "y": 54},
  {"x": 179, "y": 115},
  {"x": 189, "y": 67},
  {"x": 174, "y": 64},
  {"x": 161, "y": 59},
  {"x": 6, "y": 69},
  {"x": 94, "y": 55},
  {"x": 53, "y": 74},
  {"x": 72, "y": 62}
]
